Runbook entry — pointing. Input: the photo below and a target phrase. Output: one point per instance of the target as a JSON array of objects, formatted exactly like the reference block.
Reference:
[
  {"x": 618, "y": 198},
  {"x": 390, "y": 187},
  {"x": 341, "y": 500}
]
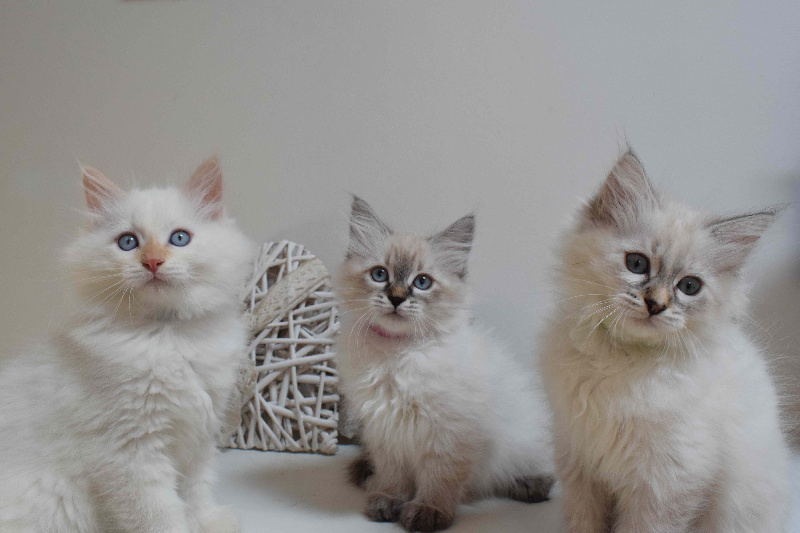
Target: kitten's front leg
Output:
[
  {"x": 441, "y": 482},
  {"x": 195, "y": 489},
  {"x": 388, "y": 488},
  {"x": 138, "y": 494},
  {"x": 640, "y": 510},
  {"x": 587, "y": 504}
]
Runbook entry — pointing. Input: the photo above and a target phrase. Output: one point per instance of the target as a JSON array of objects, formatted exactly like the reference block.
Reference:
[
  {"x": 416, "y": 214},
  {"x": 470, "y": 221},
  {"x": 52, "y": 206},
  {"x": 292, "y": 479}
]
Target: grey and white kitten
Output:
[
  {"x": 665, "y": 414},
  {"x": 446, "y": 413}
]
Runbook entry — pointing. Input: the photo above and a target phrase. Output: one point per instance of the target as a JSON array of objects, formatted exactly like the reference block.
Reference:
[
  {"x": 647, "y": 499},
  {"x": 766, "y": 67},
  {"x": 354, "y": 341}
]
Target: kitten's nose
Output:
[
  {"x": 396, "y": 300},
  {"x": 654, "y": 307},
  {"x": 396, "y": 294},
  {"x": 152, "y": 264}
]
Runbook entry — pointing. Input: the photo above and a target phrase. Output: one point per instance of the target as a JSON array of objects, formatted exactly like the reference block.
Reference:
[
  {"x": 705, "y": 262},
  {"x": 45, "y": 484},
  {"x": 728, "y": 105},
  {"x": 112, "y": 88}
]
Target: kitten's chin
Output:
[
  {"x": 163, "y": 298},
  {"x": 643, "y": 330},
  {"x": 158, "y": 288},
  {"x": 391, "y": 327}
]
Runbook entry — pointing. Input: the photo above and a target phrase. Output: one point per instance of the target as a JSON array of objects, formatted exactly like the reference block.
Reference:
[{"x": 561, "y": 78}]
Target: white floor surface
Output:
[{"x": 298, "y": 493}]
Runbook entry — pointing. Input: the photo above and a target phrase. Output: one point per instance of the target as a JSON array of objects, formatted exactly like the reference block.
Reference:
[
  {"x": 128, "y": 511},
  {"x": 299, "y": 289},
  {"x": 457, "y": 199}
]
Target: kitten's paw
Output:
[
  {"x": 531, "y": 489},
  {"x": 219, "y": 520},
  {"x": 360, "y": 471},
  {"x": 420, "y": 517},
  {"x": 382, "y": 508}
]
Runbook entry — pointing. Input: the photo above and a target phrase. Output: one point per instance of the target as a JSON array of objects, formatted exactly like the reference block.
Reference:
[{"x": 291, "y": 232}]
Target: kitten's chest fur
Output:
[
  {"x": 402, "y": 401},
  {"x": 633, "y": 420},
  {"x": 166, "y": 381},
  {"x": 385, "y": 393}
]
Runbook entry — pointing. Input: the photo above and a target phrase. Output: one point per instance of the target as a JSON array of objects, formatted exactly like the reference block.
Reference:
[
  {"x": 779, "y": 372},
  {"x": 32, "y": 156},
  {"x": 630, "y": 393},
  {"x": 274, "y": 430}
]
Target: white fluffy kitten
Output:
[
  {"x": 666, "y": 416},
  {"x": 110, "y": 425},
  {"x": 445, "y": 412}
]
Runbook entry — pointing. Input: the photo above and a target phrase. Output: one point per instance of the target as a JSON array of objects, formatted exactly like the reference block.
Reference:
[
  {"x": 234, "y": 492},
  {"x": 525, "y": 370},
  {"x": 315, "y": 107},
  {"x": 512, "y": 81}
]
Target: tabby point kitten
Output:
[
  {"x": 446, "y": 413},
  {"x": 110, "y": 424},
  {"x": 666, "y": 417}
]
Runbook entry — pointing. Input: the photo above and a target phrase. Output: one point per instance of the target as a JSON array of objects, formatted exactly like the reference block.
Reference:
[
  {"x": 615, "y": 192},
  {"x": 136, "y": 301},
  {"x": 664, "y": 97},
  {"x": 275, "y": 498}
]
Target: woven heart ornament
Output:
[{"x": 289, "y": 395}]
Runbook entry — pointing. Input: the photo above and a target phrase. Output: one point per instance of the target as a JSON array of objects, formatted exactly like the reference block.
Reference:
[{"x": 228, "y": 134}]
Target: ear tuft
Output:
[
  {"x": 100, "y": 191},
  {"x": 453, "y": 244},
  {"x": 205, "y": 186},
  {"x": 367, "y": 231},
  {"x": 624, "y": 195},
  {"x": 737, "y": 236}
]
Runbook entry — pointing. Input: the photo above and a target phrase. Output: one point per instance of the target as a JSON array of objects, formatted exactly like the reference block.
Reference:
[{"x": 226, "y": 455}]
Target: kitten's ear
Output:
[
  {"x": 100, "y": 191},
  {"x": 453, "y": 244},
  {"x": 367, "y": 231},
  {"x": 205, "y": 186},
  {"x": 625, "y": 194},
  {"x": 737, "y": 236}
]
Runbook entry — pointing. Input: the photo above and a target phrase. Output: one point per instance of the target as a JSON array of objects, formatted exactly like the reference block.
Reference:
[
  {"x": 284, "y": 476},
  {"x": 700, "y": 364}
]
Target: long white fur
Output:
[
  {"x": 667, "y": 424},
  {"x": 110, "y": 424},
  {"x": 448, "y": 394}
]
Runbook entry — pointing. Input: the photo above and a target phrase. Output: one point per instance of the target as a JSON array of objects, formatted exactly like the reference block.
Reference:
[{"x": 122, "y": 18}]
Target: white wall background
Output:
[{"x": 426, "y": 109}]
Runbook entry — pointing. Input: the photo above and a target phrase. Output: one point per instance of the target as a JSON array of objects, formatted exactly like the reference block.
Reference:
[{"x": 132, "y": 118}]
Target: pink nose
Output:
[{"x": 153, "y": 264}]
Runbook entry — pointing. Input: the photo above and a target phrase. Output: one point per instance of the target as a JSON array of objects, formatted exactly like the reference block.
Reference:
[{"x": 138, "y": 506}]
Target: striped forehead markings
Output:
[
  {"x": 402, "y": 271},
  {"x": 403, "y": 264}
]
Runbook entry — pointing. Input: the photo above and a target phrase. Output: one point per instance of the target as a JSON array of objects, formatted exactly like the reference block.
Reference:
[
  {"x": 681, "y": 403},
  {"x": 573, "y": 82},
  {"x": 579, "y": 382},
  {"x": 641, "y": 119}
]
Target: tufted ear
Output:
[
  {"x": 624, "y": 195},
  {"x": 205, "y": 186},
  {"x": 453, "y": 244},
  {"x": 100, "y": 191},
  {"x": 367, "y": 231},
  {"x": 737, "y": 236}
]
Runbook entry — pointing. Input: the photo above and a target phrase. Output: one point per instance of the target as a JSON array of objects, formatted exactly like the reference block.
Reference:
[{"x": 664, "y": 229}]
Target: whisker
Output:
[
  {"x": 600, "y": 310},
  {"x": 592, "y": 282},
  {"x": 114, "y": 314},
  {"x": 99, "y": 293},
  {"x": 365, "y": 327},
  {"x": 581, "y": 296},
  {"x": 616, "y": 308},
  {"x": 98, "y": 307},
  {"x": 353, "y": 330},
  {"x": 612, "y": 329},
  {"x": 601, "y": 302}
]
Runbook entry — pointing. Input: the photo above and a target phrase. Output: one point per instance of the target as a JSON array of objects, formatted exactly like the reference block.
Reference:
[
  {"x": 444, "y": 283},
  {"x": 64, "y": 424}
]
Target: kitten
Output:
[
  {"x": 445, "y": 412},
  {"x": 110, "y": 425},
  {"x": 666, "y": 417}
]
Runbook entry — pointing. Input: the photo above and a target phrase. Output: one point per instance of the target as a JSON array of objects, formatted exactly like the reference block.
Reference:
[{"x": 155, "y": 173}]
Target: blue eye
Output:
[
  {"x": 179, "y": 238},
  {"x": 423, "y": 282},
  {"x": 128, "y": 242},
  {"x": 637, "y": 263},
  {"x": 379, "y": 274},
  {"x": 690, "y": 285}
]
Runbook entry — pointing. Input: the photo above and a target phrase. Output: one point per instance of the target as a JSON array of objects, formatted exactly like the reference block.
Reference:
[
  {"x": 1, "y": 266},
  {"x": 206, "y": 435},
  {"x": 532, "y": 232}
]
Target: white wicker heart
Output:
[{"x": 290, "y": 399}]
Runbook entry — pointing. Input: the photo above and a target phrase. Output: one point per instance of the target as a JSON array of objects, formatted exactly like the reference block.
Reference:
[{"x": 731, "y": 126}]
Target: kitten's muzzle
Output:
[
  {"x": 654, "y": 307},
  {"x": 396, "y": 300},
  {"x": 656, "y": 299},
  {"x": 152, "y": 264},
  {"x": 153, "y": 255},
  {"x": 396, "y": 295}
]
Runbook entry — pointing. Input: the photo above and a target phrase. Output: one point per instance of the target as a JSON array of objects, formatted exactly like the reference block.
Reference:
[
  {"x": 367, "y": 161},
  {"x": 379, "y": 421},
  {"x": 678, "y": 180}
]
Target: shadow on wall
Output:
[{"x": 777, "y": 313}]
